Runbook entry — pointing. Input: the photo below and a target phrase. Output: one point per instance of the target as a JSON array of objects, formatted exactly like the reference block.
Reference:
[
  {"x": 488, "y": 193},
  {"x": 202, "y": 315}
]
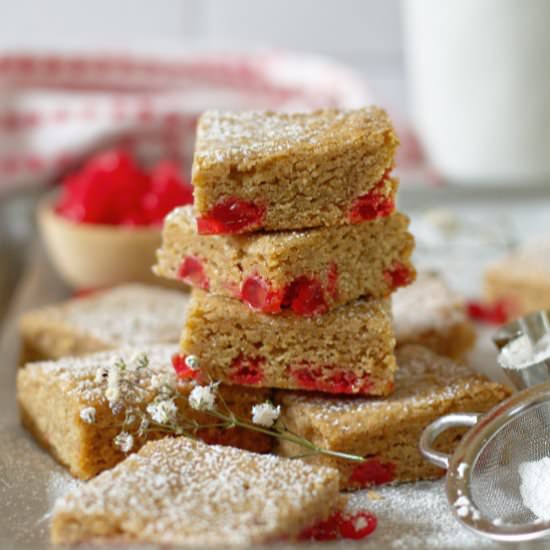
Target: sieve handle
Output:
[{"x": 453, "y": 420}]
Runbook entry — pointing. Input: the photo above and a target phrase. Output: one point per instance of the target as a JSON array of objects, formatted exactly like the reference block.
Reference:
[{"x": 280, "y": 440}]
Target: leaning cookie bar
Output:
[
  {"x": 132, "y": 314},
  {"x": 182, "y": 492},
  {"x": 65, "y": 405},
  {"x": 347, "y": 350},
  {"x": 386, "y": 431},
  {"x": 430, "y": 314},
  {"x": 278, "y": 171},
  {"x": 308, "y": 271}
]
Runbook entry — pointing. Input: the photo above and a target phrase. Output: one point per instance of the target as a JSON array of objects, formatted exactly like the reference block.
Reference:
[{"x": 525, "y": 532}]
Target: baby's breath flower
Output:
[
  {"x": 124, "y": 441},
  {"x": 87, "y": 414},
  {"x": 164, "y": 380},
  {"x": 162, "y": 412},
  {"x": 265, "y": 414},
  {"x": 203, "y": 398}
]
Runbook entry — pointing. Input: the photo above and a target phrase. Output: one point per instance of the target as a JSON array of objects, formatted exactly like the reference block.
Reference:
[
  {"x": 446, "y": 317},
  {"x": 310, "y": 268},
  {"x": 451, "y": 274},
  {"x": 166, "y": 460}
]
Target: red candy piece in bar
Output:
[
  {"x": 182, "y": 370},
  {"x": 305, "y": 296},
  {"x": 192, "y": 272},
  {"x": 399, "y": 275},
  {"x": 373, "y": 472},
  {"x": 247, "y": 370},
  {"x": 259, "y": 295},
  {"x": 231, "y": 216},
  {"x": 372, "y": 205}
]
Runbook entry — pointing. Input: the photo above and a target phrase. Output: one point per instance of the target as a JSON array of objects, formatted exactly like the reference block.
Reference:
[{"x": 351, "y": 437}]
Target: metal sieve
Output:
[
  {"x": 534, "y": 326},
  {"x": 482, "y": 481}
]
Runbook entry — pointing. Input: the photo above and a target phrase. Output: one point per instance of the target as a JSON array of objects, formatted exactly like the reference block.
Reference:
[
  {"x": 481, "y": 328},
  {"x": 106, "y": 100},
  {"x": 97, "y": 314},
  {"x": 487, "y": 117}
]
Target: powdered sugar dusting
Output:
[
  {"x": 427, "y": 304},
  {"x": 81, "y": 376},
  {"x": 415, "y": 516},
  {"x": 224, "y": 136},
  {"x": 125, "y": 315},
  {"x": 182, "y": 491}
]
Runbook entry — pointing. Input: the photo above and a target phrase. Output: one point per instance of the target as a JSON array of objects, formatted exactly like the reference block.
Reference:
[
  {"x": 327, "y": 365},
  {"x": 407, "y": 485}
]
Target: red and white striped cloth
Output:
[{"x": 57, "y": 108}]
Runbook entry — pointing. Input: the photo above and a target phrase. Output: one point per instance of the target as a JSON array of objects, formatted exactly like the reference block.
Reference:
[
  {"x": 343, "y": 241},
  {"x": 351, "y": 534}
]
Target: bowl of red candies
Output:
[{"x": 104, "y": 225}]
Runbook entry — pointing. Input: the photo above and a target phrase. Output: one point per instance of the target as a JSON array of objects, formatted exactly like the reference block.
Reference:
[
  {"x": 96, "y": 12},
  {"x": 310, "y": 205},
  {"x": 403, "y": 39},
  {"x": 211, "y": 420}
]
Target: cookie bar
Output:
[
  {"x": 130, "y": 314},
  {"x": 308, "y": 271},
  {"x": 430, "y": 314},
  {"x": 520, "y": 282},
  {"x": 65, "y": 405},
  {"x": 386, "y": 431},
  {"x": 347, "y": 350},
  {"x": 182, "y": 492},
  {"x": 276, "y": 171}
]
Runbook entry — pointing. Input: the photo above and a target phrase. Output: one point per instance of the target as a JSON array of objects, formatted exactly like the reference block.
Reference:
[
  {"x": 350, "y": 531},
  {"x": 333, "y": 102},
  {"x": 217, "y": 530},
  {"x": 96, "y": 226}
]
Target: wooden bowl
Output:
[{"x": 93, "y": 256}]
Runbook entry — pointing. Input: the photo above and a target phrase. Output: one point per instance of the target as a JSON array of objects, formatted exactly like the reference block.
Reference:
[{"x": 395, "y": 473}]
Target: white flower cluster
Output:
[
  {"x": 203, "y": 398},
  {"x": 162, "y": 412},
  {"x": 265, "y": 414},
  {"x": 124, "y": 441}
]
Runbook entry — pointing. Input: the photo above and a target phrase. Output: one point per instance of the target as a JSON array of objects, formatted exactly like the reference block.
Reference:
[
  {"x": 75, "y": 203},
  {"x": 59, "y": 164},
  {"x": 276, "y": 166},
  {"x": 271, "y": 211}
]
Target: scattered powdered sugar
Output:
[
  {"x": 248, "y": 135},
  {"x": 415, "y": 515},
  {"x": 520, "y": 352},
  {"x": 535, "y": 486},
  {"x": 30, "y": 481},
  {"x": 183, "y": 491},
  {"x": 125, "y": 315}
]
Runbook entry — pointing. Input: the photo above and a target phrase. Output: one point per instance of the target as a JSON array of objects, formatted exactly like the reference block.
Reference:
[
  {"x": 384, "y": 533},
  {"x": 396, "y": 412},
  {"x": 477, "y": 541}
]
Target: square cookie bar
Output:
[
  {"x": 277, "y": 171},
  {"x": 520, "y": 282},
  {"x": 309, "y": 271},
  {"x": 430, "y": 314},
  {"x": 77, "y": 406},
  {"x": 182, "y": 492},
  {"x": 387, "y": 431},
  {"x": 347, "y": 350},
  {"x": 130, "y": 314}
]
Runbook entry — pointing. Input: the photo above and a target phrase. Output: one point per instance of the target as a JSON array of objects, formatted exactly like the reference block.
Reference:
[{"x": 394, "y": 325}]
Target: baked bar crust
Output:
[
  {"x": 52, "y": 395},
  {"x": 430, "y": 314},
  {"x": 132, "y": 314},
  {"x": 521, "y": 280},
  {"x": 182, "y": 492},
  {"x": 386, "y": 431},
  {"x": 292, "y": 171},
  {"x": 347, "y": 350},
  {"x": 271, "y": 271}
]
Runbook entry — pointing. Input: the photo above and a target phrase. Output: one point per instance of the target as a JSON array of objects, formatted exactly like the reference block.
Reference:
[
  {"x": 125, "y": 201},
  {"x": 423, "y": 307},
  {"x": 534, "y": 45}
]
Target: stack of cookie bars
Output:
[
  {"x": 294, "y": 251},
  {"x": 294, "y": 248}
]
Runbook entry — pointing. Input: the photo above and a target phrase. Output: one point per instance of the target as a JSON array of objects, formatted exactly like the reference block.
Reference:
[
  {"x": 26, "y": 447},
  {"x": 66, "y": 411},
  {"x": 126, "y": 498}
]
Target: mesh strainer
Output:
[{"x": 482, "y": 475}]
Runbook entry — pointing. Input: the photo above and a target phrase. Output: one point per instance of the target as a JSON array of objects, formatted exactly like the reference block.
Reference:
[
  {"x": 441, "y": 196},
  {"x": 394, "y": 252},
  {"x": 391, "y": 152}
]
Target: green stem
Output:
[{"x": 288, "y": 437}]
